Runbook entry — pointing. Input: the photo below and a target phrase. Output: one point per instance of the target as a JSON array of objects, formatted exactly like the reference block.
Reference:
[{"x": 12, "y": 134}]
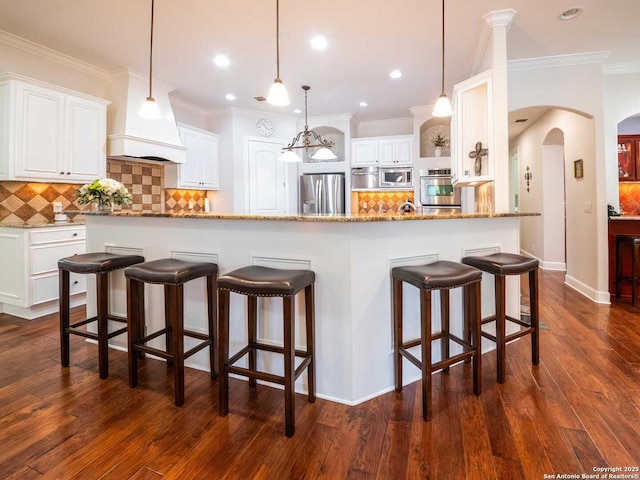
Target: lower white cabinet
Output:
[
  {"x": 201, "y": 170},
  {"x": 29, "y": 262}
]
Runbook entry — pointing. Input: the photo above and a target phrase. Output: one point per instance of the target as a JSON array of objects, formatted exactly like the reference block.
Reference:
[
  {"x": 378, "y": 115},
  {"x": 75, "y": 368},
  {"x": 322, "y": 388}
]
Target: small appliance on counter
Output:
[
  {"x": 322, "y": 194},
  {"x": 437, "y": 194},
  {"x": 396, "y": 177}
]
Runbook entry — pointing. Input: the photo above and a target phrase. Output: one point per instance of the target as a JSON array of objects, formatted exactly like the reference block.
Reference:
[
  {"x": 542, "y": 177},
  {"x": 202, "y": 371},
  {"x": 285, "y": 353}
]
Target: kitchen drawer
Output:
[
  {"x": 51, "y": 235},
  {"x": 45, "y": 289},
  {"x": 45, "y": 259}
]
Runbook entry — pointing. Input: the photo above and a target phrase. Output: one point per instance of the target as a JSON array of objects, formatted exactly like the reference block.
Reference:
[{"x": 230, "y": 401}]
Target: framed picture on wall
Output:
[{"x": 578, "y": 171}]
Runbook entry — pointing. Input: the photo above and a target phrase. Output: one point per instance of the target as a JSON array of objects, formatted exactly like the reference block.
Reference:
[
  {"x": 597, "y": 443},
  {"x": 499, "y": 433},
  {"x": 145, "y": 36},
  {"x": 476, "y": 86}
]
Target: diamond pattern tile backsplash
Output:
[
  {"x": 30, "y": 202},
  {"x": 372, "y": 202},
  {"x": 630, "y": 198}
]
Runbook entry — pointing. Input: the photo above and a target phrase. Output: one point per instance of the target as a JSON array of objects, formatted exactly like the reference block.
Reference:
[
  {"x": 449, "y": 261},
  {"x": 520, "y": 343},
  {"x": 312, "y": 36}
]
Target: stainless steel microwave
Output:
[{"x": 395, "y": 177}]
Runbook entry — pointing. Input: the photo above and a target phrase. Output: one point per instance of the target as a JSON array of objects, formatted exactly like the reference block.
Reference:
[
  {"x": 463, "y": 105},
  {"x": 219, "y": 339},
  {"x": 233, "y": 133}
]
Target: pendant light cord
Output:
[
  {"x": 306, "y": 122},
  {"x": 151, "y": 51},
  {"x": 278, "y": 39},
  {"x": 442, "y": 46}
]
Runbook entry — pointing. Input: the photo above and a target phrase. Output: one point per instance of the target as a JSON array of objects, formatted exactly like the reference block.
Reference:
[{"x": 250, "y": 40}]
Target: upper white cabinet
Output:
[
  {"x": 201, "y": 170},
  {"x": 472, "y": 135},
  {"x": 391, "y": 150},
  {"x": 50, "y": 134}
]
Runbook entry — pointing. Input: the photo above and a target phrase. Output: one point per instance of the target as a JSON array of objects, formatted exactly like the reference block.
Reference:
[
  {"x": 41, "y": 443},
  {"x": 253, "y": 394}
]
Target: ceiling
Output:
[{"x": 367, "y": 39}]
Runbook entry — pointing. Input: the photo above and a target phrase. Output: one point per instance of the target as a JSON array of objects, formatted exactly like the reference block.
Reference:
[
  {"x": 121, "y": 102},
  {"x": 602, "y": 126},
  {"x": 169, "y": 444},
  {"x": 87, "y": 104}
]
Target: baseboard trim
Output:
[
  {"x": 40, "y": 310},
  {"x": 591, "y": 293}
]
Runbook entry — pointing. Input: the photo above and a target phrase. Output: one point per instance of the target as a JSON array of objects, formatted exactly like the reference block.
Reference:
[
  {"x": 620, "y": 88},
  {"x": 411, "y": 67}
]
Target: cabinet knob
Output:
[
  {"x": 68, "y": 173},
  {"x": 75, "y": 234},
  {"x": 61, "y": 173},
  {"x": 76, "y": 282}
]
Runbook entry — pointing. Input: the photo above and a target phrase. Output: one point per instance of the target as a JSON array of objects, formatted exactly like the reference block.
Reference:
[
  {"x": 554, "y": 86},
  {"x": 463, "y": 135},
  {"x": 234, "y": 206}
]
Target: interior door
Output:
[{"x": 267, "y": 179}]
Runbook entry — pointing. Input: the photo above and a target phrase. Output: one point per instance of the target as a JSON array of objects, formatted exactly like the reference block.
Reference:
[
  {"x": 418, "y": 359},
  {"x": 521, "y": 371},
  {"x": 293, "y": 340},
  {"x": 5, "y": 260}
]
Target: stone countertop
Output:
[
  {"x": 74, "y": 223},
  {"x": 625, "y": 217},
  {"x": 314, "y": 218}
]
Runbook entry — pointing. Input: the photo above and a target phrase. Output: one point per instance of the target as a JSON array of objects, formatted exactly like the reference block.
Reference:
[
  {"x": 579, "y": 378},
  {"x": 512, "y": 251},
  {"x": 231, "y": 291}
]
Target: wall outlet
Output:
[
  {"x": 588, "y": 207},
  {"x": 192, "y": 204},
  {"x": 57, "y": 207}
]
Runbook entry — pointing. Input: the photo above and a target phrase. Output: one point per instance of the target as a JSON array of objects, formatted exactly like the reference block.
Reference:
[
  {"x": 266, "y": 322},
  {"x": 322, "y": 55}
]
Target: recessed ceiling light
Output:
[
  {"x": 221, "y": 60},
  {"x": 318, "y": 42},
  {"x": 363, "y": 104},
  {"x": 571, "y": 13},
  {"x": 395, "y": 74},
  {"x": 297, "y": 110},
  {"x": 230, "y": 96}
]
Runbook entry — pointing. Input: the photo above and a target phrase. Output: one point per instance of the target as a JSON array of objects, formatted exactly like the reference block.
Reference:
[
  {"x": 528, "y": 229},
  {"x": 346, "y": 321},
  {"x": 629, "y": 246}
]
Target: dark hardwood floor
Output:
[{"x": 579, "y": 409}]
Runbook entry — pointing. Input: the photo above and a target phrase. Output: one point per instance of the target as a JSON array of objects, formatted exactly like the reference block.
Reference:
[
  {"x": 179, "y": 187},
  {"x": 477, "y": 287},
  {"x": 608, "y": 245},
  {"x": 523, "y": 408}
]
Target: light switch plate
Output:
[
  {"x": 587, "y": 207},
  {"x": 57, "y": 207}
]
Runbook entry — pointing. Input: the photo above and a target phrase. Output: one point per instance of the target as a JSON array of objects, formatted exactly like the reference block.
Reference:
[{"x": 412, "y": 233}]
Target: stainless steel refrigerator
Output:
[{"x": 322, "y": 194}]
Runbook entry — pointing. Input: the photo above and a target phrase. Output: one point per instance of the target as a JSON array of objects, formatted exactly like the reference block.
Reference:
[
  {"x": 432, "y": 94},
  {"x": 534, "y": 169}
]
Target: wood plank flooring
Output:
[{"x": 579, "y": 409}]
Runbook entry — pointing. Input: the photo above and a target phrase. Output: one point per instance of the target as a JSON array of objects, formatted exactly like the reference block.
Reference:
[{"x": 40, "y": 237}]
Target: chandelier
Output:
[{"x": 309, "y": 139}]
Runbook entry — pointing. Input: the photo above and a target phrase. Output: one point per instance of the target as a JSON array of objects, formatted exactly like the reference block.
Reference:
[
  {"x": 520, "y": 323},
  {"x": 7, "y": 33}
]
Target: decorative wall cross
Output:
[
  {"x": 478, "y": 153},
  {"x": 528, "y": 176}
]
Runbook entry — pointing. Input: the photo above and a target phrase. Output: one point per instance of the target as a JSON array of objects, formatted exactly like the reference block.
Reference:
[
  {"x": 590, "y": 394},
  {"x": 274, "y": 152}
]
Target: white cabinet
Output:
[
  {"x": 472, "y": 131},
  {"x": 50, "y": 134},
  {"x": 29, "y": 262},
  {"x": 201, "y": 169},
  {"x": 392, "y": 150}
]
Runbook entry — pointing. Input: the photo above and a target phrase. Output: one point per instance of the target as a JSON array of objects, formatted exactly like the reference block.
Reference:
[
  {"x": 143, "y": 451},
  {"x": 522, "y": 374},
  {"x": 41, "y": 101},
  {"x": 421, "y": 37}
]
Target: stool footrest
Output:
[
  {"x": 141, "y": 346},
  {"x": 153, "y": 351},
  {"x": 442, "y": 363},
  {"x": 492, "y": 318},
  {"x": 513, "y": 336},
  {"x": 94, "y": 336},
  {"x": 417, "y": 342},
  {"x": 197, "y": 348}
]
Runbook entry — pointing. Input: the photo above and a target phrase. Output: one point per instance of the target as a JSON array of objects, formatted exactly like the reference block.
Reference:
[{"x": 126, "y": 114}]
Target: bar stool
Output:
[
  {"x": 442, "y": 276},
  {"x": 632, "y": 241},
  {"x": 254, "y": 282},
  {"x": 100, "y": 264},
  {"x": 173, "y": 274},
  {"x": 500, "y": 265}
]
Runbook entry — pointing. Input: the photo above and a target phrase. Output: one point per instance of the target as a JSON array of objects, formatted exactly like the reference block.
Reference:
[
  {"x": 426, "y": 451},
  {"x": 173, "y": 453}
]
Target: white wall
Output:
[{"x": 381, "y": 128}]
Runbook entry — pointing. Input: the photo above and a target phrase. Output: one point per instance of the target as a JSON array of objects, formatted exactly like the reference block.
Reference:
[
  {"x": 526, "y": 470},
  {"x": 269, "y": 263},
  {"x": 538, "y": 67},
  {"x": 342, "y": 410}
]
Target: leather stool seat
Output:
[
  {"x": 266, "y": 282},
  {"x": 100, "y": 264},
  {"x": 173, "y": 274},
  {"x": 441, "y": 276},
  {"x": 501, "y": 265},
  {"x": 632, "y": 241},
  {"x": 257, "y": 281}
]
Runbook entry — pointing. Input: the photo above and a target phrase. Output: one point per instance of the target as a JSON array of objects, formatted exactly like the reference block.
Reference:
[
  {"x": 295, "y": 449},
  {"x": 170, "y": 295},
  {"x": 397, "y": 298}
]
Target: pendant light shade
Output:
[
  {"x": 278, "y": 95},
  {"x": 442, "y": 107},
  {"x": 150, "y": 109},
  {"x": 309, "y": 139}
]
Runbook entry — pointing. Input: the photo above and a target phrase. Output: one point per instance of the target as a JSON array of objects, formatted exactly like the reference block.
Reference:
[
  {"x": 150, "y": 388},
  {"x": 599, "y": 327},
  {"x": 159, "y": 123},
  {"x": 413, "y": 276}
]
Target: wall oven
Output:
[
  {"x": 436, "y": 191},
  {"x": 396, "y": 177}
]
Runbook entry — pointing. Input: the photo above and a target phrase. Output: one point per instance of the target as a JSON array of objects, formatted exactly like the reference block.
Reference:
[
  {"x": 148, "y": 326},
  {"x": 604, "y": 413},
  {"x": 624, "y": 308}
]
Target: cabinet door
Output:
[
  {"x": 85, "y": 158},
  {"x": 627, "y": 158},
  {"x": 190, "y": 171},
  {"x": 364, "y": 152},
  {"x": 387, "y": 151},
  {"x": 40, "y": 123},
  {"x": 404, "y": 151},
  {"x": 210, "y": 164}
]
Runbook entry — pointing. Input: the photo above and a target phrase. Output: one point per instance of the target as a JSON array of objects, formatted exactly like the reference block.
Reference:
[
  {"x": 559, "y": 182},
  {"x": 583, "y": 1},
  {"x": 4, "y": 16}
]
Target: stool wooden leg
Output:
[
  {"x": 212, "y": 318},
  {"x": 102, "y": 295},
  {"x": 500, "y": 326},
  {"x": 467, "y": 322},
  {"x": 444, "y": 319},
  {"x": 64, "y": 316},
  {"x": 618, "y": 266},
  {"x": 476, "y": 321},
  {"x": 252, "y": 322},
  {"x": 634, "y": 273},
  {"x": 133, "y": 329},
  {"x": 535, "y": 316},
  {"x": 223, "y": 352},
  {"x": 309, "y": 307},
  {"x": 168, "y": 338},
  {"x": 397, "y": 332},
  {"x": 425, "y": 331},
  {"x": 141, "y": 315},
  {"x": 177, "y": 314},
  {"x": 289, "y": 365}
]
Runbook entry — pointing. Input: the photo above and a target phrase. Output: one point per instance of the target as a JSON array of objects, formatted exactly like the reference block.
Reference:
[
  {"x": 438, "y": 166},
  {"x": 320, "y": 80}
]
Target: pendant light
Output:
[
  {"x": 323, "y": 153},
  {"x": 442, "y": 108},
  {"x": 150, "y": 109},
  {"x": 278, "y": 95}
]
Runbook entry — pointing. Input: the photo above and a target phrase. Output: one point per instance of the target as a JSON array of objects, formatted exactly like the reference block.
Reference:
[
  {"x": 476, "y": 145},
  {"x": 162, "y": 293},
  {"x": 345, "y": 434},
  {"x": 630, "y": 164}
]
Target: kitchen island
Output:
[{"x": 352, "y": 257}]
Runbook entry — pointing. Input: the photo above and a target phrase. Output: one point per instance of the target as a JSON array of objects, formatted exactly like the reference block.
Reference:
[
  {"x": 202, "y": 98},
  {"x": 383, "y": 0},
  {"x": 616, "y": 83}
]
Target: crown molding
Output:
[
  {"x": 245, "y": 112},
  {"x": 130, "y": 72},
  {"x": 41, "y": 51},
  {"x": 500, "y": 18},
  {"x": 558, "y": 61},
  {"x": 421, "y": 110},
  {"x": 620, "y": 68},
  {"x": 21, "y": 78},
  {"x": 183, "y": 104}
]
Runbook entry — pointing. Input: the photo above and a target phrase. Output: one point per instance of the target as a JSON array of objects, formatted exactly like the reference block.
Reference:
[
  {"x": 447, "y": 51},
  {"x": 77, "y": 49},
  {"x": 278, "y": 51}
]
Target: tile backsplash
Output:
[
  {"x": 31, "y": 202},
  {"x": 372, "y": 202},
  {"x": 630, "y": 198}
]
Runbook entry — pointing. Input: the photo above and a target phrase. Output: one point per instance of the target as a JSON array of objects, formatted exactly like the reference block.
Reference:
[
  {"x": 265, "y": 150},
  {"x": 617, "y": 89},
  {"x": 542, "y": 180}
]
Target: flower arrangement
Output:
[
  {"x": 106, "y": 192},
  {"x": 438, "y": 140}
]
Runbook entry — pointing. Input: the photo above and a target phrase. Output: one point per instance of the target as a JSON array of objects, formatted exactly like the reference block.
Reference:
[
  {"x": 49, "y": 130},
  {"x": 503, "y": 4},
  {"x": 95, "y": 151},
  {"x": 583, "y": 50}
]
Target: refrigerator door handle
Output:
[{"x": 319, "y": 202}]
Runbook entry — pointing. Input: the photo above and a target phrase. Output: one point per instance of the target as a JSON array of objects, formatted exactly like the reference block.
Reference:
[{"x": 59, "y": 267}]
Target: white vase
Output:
[{"x": 438, "y": 151}]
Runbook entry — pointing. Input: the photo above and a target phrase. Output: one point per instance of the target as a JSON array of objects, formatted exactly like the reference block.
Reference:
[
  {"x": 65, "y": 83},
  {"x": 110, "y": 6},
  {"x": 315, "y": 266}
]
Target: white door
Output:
[
  {"x": 85, "y": 139},
  {"x": 267, "y": 179}
]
